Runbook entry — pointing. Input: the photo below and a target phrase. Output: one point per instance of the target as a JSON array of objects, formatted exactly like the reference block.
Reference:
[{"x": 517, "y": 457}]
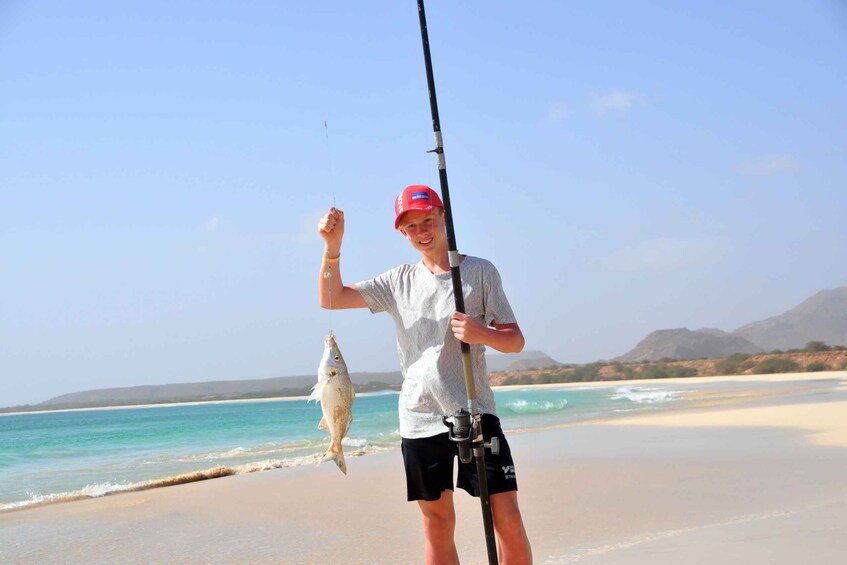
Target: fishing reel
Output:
[{"x": 466, "y": 430}]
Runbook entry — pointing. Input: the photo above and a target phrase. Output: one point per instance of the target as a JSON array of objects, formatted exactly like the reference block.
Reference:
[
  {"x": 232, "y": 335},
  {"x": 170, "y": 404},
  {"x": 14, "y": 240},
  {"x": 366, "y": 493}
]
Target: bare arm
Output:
[
  {"x": 506, "y": 338},
  {"x": 332, "y": 294}
]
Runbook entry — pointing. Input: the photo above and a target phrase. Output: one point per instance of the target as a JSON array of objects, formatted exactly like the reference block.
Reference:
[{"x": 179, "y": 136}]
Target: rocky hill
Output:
[
  {"x": 686, "y": 344},
  {"x": 823, "y": 317},
  {"x": 213, "y": 390},
  {"x": 258, "y": 388},
  {"x": 736, "y": 364},
  {"x": 522, "y": 361}
]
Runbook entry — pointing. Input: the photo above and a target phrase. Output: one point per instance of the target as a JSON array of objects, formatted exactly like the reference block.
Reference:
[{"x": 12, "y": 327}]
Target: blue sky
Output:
[{"x": 628, "y": 166}]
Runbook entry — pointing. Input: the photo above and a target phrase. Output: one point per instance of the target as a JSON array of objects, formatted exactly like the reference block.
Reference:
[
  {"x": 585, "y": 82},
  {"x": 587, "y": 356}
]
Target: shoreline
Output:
[
  {"x": 690, "y": 485},
  {"x": 776, "y": 377},
  {"x": 186, "y": 403},
  {"x": 699, "y": 407},
  {"x": 157, "y": 405},
  {"x": 765, "y": 378}
]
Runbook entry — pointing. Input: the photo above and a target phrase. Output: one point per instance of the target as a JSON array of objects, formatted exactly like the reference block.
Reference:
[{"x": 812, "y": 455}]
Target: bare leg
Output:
[
  {"x": 439, "y": 524},
  {"x": 514, "y": 543}
]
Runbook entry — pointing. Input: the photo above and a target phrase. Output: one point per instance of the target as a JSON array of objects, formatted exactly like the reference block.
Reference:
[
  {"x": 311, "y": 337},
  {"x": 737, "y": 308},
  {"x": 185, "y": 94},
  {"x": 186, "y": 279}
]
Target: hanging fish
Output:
[{"x": 335, "y": 393}]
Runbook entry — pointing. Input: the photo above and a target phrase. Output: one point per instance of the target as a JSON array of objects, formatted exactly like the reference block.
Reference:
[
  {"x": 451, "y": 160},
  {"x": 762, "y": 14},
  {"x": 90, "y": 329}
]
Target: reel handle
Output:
[
  {"x": 460, "y": 432},
  {"x": 462, "y": 428}
]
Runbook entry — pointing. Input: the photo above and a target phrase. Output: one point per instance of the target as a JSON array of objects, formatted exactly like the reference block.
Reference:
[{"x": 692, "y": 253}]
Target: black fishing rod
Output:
[{"x": 466, "y": 426}]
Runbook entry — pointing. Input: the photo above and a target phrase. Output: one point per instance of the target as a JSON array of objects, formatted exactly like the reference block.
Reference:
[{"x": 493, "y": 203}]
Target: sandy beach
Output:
[{"x": 757, "y": 478}]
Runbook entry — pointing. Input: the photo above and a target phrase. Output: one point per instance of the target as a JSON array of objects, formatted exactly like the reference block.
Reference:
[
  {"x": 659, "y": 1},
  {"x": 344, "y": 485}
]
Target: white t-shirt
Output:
[{"x": 421, "y": 304}]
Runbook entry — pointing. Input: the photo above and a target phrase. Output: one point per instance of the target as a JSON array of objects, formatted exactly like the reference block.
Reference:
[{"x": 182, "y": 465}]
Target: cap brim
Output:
[{"x": 425, "y": 208}]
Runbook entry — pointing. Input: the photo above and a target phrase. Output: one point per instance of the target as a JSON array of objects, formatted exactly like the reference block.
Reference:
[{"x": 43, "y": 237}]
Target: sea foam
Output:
[
  {"x": 522, "y": 406},
  {"x": 357, "y": 446},
  {"x": 642, "y": 395}
]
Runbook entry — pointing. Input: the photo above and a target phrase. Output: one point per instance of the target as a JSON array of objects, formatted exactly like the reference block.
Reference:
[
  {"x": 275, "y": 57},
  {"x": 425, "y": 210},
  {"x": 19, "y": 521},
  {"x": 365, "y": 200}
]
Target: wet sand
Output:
[{"x": 760, "y": 479}]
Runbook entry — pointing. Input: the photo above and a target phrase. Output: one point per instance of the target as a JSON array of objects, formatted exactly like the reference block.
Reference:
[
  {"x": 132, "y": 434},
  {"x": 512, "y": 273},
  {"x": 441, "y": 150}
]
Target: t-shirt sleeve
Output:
[
  {"x": 497, "y": 307},
  {"x": 378, "y": 292}
]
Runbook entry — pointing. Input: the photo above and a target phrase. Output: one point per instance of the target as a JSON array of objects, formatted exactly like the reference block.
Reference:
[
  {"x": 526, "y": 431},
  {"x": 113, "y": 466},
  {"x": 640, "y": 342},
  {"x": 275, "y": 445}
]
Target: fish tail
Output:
[{"x": 336, "y": 454}]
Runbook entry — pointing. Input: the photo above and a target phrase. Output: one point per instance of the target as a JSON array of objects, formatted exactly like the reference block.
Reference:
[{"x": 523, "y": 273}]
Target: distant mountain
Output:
[
  {"x": 714, "y": 331},
  {"x": 823, "y": 317},
  {"x": 213, "y": 390},
  {"x": 522, "y": 361},
  {"x": 686, "y": 344},
  {"x": 258, "y": 388}
]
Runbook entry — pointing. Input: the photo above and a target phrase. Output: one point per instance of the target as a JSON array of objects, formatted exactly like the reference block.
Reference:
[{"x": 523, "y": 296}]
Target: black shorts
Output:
[{"x": 429, "y": 465}]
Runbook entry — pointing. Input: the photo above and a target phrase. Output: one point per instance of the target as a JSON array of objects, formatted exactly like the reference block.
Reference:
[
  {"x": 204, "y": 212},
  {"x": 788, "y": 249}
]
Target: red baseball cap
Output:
[{"x": 415, "y": 197}]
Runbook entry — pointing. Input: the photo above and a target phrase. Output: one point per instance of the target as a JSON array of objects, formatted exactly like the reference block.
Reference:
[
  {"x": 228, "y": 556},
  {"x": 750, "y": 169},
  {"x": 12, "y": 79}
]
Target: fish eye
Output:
[{"x": 338, "y": 358}]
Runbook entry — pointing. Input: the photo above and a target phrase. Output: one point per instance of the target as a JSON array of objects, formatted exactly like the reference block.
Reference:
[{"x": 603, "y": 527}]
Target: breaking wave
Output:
[
  {"x": 132, "y": 463},
  {"x": 265, "y": 451},
  {"x": 643, "y": 395},
  {"x": 522, "y": 406},
  {"x": 357, "y": 448}
]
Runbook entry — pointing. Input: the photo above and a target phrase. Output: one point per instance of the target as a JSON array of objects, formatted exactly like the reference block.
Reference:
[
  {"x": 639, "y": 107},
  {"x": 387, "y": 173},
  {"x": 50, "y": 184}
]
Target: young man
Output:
[{"x": 420, "y": 299}]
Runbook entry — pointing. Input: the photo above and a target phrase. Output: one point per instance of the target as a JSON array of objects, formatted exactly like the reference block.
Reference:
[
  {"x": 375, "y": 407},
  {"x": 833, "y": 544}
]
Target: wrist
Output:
[{"x": 332, "y": 256}]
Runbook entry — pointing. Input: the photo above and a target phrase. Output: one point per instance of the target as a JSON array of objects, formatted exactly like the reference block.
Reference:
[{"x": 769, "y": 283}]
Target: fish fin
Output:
[
  {"x": 316, "y": 392},
  {"x": 322, "y": 425},
  {"x": 336, "y": 454}
]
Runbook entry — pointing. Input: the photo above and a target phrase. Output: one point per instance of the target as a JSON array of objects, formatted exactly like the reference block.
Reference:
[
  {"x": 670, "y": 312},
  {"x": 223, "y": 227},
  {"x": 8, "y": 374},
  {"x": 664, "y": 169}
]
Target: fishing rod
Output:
[{"x": 466, "y": 427}]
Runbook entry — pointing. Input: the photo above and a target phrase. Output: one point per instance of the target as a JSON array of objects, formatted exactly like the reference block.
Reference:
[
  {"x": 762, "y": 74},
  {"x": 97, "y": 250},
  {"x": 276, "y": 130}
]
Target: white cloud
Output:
[
  {"x": 213, "y": 223},
  {"x": 558, "y": 111},
  {"x": 662, "y": 254},
  {"x": 768, "y": 166},
  {"x": 616, "y": 101}
]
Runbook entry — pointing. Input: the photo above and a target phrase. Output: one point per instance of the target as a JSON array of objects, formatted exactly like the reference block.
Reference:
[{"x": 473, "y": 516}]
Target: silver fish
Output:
[{"x": 335, "y": 393}]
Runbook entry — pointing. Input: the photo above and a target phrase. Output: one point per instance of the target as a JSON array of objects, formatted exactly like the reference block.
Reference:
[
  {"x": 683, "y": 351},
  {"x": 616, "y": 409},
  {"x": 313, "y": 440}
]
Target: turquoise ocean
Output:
[{"x": 55, "y": 456}]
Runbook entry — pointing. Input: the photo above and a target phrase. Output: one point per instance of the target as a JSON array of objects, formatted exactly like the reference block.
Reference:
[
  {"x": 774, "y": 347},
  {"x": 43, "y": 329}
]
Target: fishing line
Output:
[
  {"x": 328, "y": 155},
  {"x": 328, "y": 273}
]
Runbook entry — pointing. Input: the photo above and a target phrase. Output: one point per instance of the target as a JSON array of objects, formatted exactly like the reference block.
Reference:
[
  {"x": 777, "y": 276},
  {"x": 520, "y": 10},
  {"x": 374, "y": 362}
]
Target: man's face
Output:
[{"x": 424, "y": 230}]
